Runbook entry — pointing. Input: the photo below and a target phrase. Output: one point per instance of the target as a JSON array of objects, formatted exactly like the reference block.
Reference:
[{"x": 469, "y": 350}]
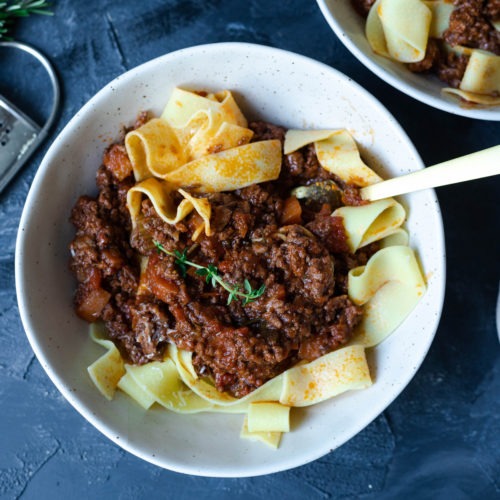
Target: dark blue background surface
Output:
[{"x": 438, "y": 440}]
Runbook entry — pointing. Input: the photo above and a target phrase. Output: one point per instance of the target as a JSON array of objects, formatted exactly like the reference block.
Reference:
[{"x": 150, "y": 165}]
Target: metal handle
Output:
[
  {"x": 53, "y": 80},
  {"x": 23, "y": 155}
]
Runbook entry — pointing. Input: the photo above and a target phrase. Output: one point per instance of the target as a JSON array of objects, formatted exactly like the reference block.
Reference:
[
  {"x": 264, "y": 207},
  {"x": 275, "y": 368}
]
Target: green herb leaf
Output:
[
  {"x": 181, "y": 256},
  {"x": 182, "y": 268},
  {"x": 212, "y": 277},
  {"x": 232, "y": 296},
  {"x": 23, "y": 8},
  {"x": 180, "y": 261}
]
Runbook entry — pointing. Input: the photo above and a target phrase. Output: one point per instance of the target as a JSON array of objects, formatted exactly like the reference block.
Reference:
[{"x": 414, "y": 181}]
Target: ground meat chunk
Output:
[
  {"x": 331, "y": 231},
  {"x": 451, "y": 68},
  {"x": 305, "y": 264},
  {"x": 117, "y": 162},
  {"x": 492, "y": 10},
  {"x": 431, "y": 59},
  {"x": 139, "y": 327},
  {"x": 469, "y": 25},
  {"x": 352, "y": 197},
  {"x": 335, "y": 333},
  {"x": 264, "y": 131},
  {"x": 362, "y": 6}
]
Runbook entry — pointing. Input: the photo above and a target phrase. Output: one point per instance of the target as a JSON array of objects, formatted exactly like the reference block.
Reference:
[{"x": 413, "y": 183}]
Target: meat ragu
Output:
[{"x": 262, "y": 234}]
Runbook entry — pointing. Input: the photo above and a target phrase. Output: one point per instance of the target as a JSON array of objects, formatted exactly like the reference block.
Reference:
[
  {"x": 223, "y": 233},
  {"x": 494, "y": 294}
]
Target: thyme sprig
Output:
[
  {"x": 245, "y": 293},
  {"x": 22, "y": 8}
]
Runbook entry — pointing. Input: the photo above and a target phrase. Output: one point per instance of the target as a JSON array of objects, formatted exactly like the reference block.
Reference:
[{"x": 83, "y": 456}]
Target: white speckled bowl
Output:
[
  {"x": 349, "y": 26},
  {"x": 273, "y": 85}
]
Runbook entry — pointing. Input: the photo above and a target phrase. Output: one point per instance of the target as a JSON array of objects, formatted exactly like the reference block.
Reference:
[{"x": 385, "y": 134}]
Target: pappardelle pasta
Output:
[
  {"x": 233, "y": 267},
  {"x": 459, "y": 41}
]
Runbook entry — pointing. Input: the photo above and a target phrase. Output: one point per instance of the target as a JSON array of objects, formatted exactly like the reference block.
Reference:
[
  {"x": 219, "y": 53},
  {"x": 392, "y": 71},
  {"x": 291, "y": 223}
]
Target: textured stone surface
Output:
[{"x": 439, "y": 439}]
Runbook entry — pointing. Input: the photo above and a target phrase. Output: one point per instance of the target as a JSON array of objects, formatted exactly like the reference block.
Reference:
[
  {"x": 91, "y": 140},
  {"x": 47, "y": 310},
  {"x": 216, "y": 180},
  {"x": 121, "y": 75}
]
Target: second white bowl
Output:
[{"x": 349, "y": 26}]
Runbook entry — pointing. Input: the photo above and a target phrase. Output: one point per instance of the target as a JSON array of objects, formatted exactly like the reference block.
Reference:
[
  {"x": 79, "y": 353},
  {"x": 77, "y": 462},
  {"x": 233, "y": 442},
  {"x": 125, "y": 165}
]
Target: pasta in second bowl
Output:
[
  {"x": 350, "y": 27},
  {"x": 278, "y": 87}
]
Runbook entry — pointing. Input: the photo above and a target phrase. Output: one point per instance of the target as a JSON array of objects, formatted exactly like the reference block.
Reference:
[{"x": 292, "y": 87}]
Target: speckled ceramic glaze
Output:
[
  {"x": 350, "y": 28},
  {"x": 273, "y": 85}
]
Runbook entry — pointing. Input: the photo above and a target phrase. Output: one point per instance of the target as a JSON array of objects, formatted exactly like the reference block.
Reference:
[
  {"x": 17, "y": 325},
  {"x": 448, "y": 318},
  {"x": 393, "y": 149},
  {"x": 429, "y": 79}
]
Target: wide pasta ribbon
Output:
[
  {"x": 487, "y": 100},
  {"x": 154, "y": 150},
  {"x": 191, "y": 126},
  {"x": 160, "y": 194},
  {"x": 232, "y": 169},
  {"x": 227, "y": 170},
  {"x": 270, "y": 438},
  {"x": 399, "y": 29},
  {"x": 107, "y": 370},
  {"x": 159, "y": 382},
  {"x": 481, "y": 81},
  {"x": 184, "y": 105},
  {"x": 389, "y": 287},
  {"x": 365, "y": 224},
  {"x": 206, "y": 124},
  {"x": 400, "y": 237},
  {"x": 268, "y": 416},
  {"x": 337, "y": 152},
  {"x": 328, "y": 376},
  {"x": 440, "y": 11}
]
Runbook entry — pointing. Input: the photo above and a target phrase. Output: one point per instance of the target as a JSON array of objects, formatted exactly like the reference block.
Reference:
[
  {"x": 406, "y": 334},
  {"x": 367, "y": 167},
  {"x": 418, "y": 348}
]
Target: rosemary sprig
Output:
[
  {"x": 22, "y": 8},
  {"x": 211, "y": 274}
]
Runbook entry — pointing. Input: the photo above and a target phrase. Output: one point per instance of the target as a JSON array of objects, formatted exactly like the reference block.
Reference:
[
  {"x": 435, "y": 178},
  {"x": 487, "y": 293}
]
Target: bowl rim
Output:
[
  {"x": 86, "y": 411},
  {"x": 488, "y": 114}
]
